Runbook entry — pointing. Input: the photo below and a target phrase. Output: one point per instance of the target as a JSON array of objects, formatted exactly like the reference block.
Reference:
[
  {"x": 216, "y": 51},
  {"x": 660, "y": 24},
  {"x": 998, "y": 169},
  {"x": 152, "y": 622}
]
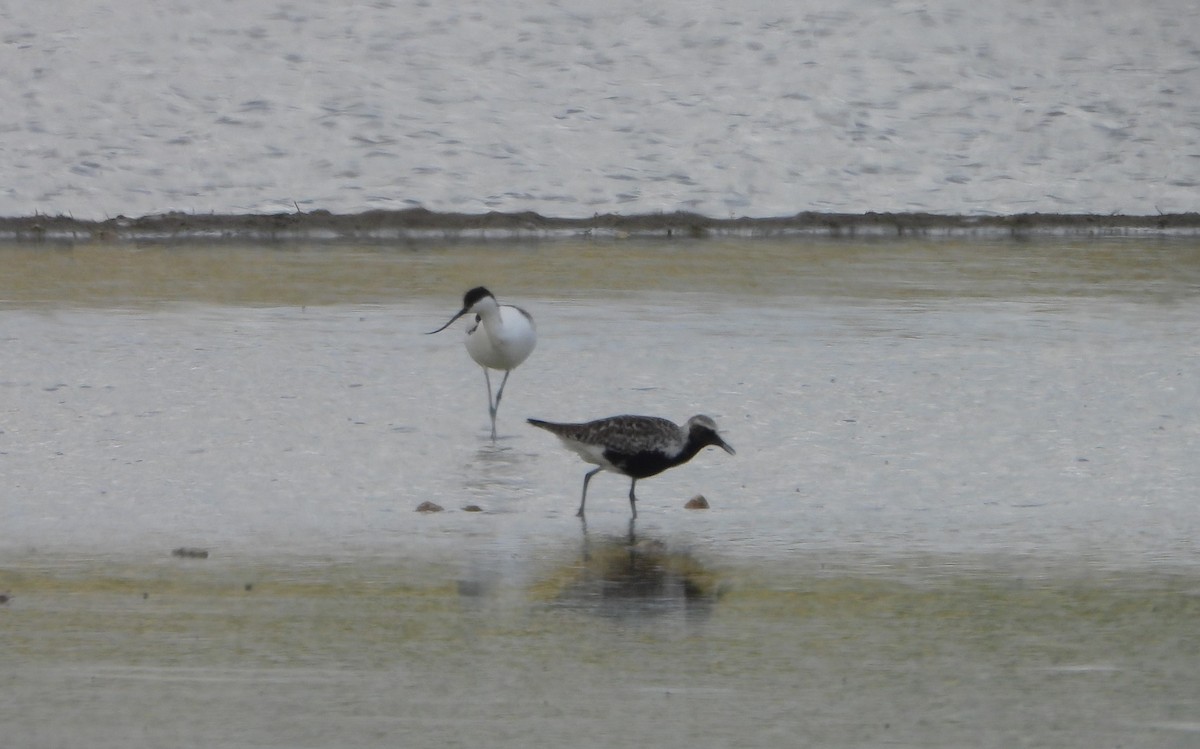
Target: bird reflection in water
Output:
[{"x": 631, "y": 576}]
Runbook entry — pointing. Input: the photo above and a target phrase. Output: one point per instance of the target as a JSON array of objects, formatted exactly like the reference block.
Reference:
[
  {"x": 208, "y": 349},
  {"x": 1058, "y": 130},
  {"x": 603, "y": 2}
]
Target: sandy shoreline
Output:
[{"x": 418, "y": 223}]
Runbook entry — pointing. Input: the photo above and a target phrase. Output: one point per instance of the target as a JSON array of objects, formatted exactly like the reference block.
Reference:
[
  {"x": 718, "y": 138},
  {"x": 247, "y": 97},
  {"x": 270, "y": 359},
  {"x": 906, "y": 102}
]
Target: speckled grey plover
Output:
[
  {"x": 502, "y": 337},
  {"x": 635, "y": 446}
]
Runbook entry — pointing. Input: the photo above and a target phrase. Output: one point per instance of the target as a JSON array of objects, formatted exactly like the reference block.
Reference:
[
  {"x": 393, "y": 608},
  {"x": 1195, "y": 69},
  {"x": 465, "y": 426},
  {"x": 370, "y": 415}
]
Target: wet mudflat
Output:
[
  {"x": 370, "y": 654},
  {"x": 961, "y": 513}
]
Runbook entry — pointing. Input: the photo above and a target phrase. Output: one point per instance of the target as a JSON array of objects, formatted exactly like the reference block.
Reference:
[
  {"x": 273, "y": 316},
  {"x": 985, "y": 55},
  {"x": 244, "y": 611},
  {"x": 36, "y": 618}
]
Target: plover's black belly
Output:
[{"x": 639, "y": 465}]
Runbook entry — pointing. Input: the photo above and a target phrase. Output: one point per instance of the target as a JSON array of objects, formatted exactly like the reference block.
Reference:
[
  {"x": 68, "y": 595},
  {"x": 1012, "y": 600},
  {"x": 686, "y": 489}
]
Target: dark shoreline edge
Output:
[{"x": 421, "y": 224}]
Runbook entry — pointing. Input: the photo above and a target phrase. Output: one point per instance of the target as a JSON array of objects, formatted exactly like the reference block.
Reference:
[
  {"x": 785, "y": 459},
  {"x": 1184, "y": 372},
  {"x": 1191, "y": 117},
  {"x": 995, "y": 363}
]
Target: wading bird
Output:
[
  {"x": 502, "y": 337},
  {"x": 635, "y": 446}
]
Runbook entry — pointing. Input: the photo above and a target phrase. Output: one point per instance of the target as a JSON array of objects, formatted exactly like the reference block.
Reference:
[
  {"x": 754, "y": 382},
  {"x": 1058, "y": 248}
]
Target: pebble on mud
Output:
[
  {"x": 185, "y": 552},
  {"x": 697, "y": 502},
  {"x": 429, "y": 507}
]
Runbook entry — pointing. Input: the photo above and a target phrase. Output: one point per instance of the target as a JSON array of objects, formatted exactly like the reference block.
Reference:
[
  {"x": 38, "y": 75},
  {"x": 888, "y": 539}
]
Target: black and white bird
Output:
[
  {"x": 635, "y": 446},
  {"x": 502, "y": 337}
]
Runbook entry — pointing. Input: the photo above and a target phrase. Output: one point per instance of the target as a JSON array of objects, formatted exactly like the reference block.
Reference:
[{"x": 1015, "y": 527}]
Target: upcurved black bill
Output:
[{"x": 462, "y": 312}]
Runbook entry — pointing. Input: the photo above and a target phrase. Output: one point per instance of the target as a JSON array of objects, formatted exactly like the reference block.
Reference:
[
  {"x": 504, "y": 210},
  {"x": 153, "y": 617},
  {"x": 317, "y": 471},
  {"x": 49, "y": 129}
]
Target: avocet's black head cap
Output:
[
  {"x": 470, "y": 299},
  {"x": 473, "y": 296}
]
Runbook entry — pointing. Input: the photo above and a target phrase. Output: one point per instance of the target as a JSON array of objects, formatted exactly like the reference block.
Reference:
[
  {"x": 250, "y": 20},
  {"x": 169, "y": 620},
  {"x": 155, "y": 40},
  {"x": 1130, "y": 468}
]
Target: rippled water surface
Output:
[
  {"x": 759, "y": 108},
  {"x": 962, "y": 510}
]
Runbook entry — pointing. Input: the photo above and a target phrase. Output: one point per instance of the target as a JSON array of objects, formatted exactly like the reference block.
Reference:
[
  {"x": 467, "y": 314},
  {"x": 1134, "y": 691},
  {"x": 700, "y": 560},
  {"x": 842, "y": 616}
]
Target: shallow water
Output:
[{"x": 962, "y": 509}]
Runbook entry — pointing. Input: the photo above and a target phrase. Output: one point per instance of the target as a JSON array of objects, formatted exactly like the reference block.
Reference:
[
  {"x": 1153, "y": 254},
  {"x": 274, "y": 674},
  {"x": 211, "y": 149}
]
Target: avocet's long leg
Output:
[
  {"x": 499, "y": 395},
  {"x": 587, "y": 477},
  {"x": 491, "y": 408},
  {"x": 633, "y": 499}
]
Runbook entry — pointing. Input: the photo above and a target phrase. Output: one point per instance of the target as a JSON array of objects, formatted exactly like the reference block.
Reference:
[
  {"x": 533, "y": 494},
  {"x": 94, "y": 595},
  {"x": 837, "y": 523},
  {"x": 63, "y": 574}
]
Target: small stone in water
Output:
[
  {"x": 429, "y": 507},
  {"x": 472, "y": 508},
  {"x": 697, "y": 502}
]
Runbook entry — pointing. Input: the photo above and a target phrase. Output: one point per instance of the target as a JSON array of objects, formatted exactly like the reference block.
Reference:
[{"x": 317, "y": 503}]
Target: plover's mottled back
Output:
[
  {"x": 502, "y": 337},
  {"x": 635, "y": 446}
]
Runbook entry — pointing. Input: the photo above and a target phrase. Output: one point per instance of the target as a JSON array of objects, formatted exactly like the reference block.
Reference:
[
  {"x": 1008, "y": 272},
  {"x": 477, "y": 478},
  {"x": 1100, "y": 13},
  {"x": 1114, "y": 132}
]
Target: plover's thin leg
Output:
[
  {"x": 583, "y": 499},
  {"x": 632, "y": 498}
]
